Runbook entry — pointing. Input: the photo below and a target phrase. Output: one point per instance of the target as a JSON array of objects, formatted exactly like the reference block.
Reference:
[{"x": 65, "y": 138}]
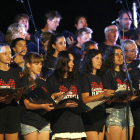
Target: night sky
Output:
[{"x": 100, "y": 13}]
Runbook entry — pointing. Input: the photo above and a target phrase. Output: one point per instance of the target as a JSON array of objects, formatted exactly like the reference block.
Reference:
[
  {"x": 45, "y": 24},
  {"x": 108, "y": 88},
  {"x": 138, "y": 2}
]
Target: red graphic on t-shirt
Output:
[
  {"x": 10, "y": 83},
  {"x": 71, "y": 94},
  {"x": 125, "y": 38},
  {"x": 44, "y": 89},
  {"x": 63, "y": 89},
  {"x": 33, "y": 88},
  {"x": 96, "y": 89},
  {"x": 139, "y": 83},
  {"x": 120, "y": 84},
  {"x": 20, "y": 73}
]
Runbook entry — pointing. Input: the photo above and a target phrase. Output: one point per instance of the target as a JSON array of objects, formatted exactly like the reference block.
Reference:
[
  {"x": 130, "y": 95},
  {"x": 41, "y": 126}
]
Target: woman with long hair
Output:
[
  {"x": 92, "y": 90},
  {"x": 33, "y": 124},
  {"x": 114, "y": 78},
  {"x": 65, "y": 122},
  {"x": 56, "y": 44}
]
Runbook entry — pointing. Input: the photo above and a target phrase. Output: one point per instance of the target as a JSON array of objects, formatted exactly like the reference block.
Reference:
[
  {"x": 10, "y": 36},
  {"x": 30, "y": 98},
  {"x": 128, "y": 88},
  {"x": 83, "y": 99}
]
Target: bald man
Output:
[{"x": 111, "y": 36}]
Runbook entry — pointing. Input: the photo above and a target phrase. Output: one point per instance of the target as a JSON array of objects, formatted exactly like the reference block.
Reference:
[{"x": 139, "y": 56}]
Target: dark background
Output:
[{"x": 100, "y": 13}]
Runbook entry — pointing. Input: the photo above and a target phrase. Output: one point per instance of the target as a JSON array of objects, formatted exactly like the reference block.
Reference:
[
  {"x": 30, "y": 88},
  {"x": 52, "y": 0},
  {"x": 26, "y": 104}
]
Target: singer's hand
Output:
[
  {"x": 47, "y": 107},
  {"x": 70, "y": 41},
  {"x": 8, "y": 101},
  {"x": 69, "y": 103},
  {"x": 56, "y": 95}
]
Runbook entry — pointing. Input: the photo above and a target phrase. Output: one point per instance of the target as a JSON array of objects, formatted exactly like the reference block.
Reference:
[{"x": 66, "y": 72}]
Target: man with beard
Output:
[
  {"x": 125, "y": 21},
  {"x": 111, "y": 36}
]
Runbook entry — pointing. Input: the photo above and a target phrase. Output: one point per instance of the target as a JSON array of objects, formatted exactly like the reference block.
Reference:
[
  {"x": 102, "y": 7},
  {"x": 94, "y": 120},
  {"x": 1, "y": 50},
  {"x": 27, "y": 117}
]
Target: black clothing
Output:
[
  {"x": 49, "y": 62},
  {"x": 114, "y": 80},
  {"x": 131, "y": 34},
  {"x": 9, "y": 113},
  {"x": 16, "y": 67},
  {"x": 76, "y": 51},
  {"x": 93, "y": 120},
  {"x": 32, "y": 117},
  {"x": 134, "y": 64},
  {"x": 103, "y": 47},
  {"x": 65, "y": 119}
]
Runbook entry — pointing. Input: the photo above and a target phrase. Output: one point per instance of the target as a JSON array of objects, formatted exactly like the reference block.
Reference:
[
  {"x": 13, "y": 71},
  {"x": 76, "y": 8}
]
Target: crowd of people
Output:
[{"x": 81, "y": 68}]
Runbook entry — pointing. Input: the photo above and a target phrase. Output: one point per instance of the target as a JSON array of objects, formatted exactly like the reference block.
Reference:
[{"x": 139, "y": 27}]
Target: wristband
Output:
[
  {"x": 42, "y": 106},
  {"x": 102, "y": 95}
]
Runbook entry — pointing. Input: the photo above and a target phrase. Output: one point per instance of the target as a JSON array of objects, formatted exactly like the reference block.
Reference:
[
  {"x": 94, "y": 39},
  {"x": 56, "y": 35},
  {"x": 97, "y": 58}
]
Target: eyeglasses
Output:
[
  {"x": 56, "y": 21},
  {"x": 126, "y": 19},
  {"x": 133, "y": 52},
  {"x": 112, "y": 30}
]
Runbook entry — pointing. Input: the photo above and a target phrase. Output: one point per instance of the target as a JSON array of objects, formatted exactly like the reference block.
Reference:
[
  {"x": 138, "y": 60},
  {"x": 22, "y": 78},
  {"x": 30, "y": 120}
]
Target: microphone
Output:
[
  {"x": 116, "y": 20},
  {"x": 17, "y": 54}
]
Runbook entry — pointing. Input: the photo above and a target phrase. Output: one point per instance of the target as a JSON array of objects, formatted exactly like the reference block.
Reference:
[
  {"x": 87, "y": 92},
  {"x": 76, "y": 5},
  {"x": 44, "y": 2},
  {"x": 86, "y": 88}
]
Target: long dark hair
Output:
[
  {"x": 52, "y": 40},
  {"x": 86, "y": 65},
  {"x": 109, "y": 59},
  {"x": 61, "y": 67},
  {"x": 30, "y": 58}
]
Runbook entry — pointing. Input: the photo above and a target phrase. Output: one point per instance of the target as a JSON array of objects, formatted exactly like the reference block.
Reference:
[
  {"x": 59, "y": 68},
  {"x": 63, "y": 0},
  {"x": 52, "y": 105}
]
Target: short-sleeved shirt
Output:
[
  {"x": 93, "y": 85},
  {"x": 32, "y": 117},
  {"x": 114, "y": 80},
  {"x": 64, "y": 119}
]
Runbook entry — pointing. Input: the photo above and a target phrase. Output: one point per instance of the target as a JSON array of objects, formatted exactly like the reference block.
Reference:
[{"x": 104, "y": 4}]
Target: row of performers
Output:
[{"x": 96, "y": 82}]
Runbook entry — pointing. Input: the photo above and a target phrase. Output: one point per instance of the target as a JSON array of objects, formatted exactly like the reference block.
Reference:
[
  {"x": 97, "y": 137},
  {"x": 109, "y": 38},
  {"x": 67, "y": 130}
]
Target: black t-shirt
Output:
[
  {"x": 33, "y": 117},
  {"x": 131, "y": 34},
  {"x": 103, "y": 47},
  {"x": 9, "y": 79},
  {"x": 48, "y": 65},
  {"x": 49, "y": 62},
  {"x": 114, "y": 80},
  {"x": 16, "y": 67},
  {"x": 133, "y": 64},
  {"x": 135, "y": 77},
  {"x": 65, "y": 120},
  {"x": 92, "y": 84},
  {"x": 76, "y": 51}
]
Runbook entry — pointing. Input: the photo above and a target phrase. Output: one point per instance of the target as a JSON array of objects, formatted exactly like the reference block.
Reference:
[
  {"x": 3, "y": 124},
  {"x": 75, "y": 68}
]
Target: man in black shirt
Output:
[
  {"x": 111, "y": 36},
  {"x": 131, "y": 51},
  {"x": 83, "y": 35},
  {"x": 125, "y": 25}
]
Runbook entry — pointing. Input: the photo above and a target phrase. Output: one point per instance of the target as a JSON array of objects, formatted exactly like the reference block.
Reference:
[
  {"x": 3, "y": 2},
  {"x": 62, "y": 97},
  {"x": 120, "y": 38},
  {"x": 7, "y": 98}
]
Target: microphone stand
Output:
[
  {"x": 31, "y": 17},
  {"x": 128, "y": 80}
]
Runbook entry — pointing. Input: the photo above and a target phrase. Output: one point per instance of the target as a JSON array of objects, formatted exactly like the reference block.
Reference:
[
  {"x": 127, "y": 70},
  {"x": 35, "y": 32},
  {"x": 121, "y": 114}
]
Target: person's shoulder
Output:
[
  {"x": 12, "y": 70},
  {"x": 72, "y": 48},
  {"x": 24, "y": 78},
  {"x": 51, "y": 78},
  {"x": 50, "y": 58},
  {"x": 83, "y": 75}
]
